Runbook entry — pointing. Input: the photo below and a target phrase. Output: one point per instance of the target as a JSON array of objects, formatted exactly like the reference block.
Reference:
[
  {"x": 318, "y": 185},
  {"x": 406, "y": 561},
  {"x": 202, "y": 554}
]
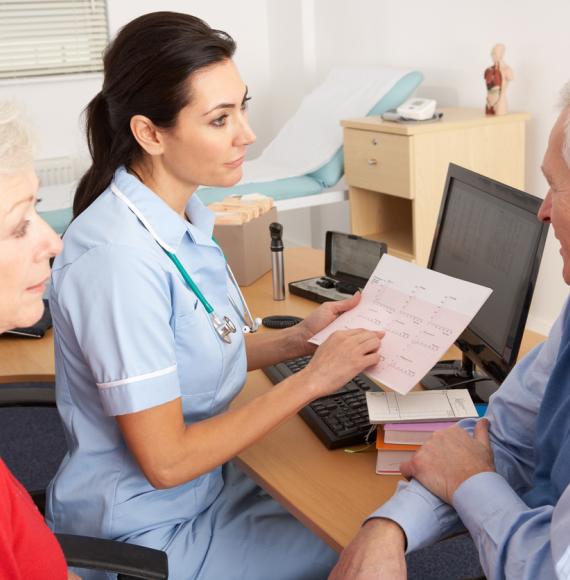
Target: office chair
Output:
[
  {"x": 452, "y": 558},
  {"x": 129, "y": 561}
]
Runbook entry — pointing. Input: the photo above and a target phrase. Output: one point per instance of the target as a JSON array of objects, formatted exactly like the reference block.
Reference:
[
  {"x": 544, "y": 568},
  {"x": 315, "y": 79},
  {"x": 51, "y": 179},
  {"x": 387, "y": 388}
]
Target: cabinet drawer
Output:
[{"x": 378, "y": 161}]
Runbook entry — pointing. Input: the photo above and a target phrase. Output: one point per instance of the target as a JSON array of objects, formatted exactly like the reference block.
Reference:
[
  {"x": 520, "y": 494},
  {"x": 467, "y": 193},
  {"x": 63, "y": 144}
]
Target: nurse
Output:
[{"x": 145, "y": 375}]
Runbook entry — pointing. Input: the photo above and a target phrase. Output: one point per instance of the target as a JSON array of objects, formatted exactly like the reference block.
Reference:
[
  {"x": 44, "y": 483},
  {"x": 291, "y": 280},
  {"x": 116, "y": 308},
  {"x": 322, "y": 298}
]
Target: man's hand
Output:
[
  {"x": 320, "y": 318},
  {"x": 376, "y": 553},
  {"x": 449, "y": 458}
]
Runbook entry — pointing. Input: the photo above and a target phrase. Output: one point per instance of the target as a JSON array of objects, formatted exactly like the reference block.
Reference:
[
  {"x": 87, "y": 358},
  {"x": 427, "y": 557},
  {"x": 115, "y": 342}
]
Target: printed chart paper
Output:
[
  {"x": 422, "y": 313},
  {"x": 447, "y": 405}
]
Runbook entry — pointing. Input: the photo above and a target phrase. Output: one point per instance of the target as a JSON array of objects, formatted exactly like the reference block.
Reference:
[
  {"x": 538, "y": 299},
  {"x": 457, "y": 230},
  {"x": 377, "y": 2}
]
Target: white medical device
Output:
[{"x": 417, "y": 109}]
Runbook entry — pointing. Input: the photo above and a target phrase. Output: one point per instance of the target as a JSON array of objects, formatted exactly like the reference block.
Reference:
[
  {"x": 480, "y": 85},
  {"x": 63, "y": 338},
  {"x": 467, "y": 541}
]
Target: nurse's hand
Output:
[
  {"x": 320, "y": 318},
  {"x": 342, "y": 356}
]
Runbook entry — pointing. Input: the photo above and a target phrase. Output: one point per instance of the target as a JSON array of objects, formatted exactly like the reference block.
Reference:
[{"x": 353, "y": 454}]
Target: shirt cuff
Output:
[
  {"x": 423, "y": 517},
  {"x": 486, "y": 503},
  {"x": 140, "y": 393}
]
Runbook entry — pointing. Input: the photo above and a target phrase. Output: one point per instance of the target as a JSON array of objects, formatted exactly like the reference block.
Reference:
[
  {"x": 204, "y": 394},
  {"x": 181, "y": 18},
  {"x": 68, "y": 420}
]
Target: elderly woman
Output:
[{"x": 27, "y": 547}]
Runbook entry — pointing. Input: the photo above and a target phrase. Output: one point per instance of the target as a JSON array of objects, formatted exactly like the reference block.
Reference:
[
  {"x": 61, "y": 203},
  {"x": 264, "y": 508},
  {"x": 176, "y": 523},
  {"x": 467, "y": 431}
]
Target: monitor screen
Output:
[{"x": 488, "y": 233}]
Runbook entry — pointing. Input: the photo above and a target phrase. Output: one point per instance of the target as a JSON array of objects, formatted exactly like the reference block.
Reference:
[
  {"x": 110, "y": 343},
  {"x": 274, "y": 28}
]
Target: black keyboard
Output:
[{"x": 338, "y": 420}]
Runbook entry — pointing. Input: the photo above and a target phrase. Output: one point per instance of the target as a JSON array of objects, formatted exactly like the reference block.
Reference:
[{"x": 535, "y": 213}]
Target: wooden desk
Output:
[
  {"x": 329, "y": 491},
  {"x": 27, "y": 359}
]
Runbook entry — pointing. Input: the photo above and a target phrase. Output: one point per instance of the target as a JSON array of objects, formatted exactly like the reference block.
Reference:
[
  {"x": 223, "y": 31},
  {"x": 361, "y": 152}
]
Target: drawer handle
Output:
[
  {"x": 372, "y": 162},
  {"x": 374, "y": 141}
]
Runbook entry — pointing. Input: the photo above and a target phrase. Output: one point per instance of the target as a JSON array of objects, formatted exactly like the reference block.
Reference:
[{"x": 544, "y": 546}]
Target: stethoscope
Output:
[{"x": 224, "y": 327}]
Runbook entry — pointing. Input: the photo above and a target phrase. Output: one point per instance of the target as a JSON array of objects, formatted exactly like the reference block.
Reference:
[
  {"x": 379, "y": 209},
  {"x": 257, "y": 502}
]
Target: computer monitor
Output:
[{"x": 487, "y": 233}]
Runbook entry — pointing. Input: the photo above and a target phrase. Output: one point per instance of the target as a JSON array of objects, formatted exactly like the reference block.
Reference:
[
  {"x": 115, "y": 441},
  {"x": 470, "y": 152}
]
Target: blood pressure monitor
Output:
[{"x": 417, "y": 109}]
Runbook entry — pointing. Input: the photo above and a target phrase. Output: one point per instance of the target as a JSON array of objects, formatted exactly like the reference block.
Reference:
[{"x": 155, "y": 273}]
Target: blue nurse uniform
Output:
[{"x": 130, "y": 335}]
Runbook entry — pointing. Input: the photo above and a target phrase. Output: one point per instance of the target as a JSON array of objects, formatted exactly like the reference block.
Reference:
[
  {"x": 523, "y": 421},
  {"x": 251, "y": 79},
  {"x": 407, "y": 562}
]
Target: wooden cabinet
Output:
[{"x": 396, "y": 172}]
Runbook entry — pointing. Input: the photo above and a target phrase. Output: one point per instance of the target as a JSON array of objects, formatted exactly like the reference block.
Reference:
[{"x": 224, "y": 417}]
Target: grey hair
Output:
[
  {"x": 564, "y": 103},
  {"x": 16, "y": 142}
]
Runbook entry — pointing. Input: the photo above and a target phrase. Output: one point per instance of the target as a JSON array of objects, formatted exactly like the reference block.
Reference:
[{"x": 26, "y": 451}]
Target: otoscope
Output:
[{"x": 277, "y": 266}]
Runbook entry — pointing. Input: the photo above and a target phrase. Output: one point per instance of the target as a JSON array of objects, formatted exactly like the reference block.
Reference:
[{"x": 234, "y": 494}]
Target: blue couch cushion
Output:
[
  {"x": 58, "y": 219},
  {"x": 291, "y": 187},
  {"x": 327, "y": 175},
  {"x": 333, "y": 170},
  {"x": 279, "y": 189}
]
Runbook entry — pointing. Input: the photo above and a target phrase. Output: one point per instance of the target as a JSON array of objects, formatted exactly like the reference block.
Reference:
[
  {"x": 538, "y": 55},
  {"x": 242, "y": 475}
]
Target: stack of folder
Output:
[
  {"x": 407, "y": 422},
  {"x": 396, "y": 443}
]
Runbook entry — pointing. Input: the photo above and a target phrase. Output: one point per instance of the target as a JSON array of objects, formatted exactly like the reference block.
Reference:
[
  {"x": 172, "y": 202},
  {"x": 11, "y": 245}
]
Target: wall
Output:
[
  {"x": 286, "y": 47},
  {"x": 450, "y": 42},
  {"x": 55, "y": 105}
]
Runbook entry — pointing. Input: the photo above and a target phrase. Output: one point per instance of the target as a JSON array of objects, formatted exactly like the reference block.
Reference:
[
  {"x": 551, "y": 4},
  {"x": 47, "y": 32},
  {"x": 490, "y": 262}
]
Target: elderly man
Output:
[{"x": 505, "y": 478}]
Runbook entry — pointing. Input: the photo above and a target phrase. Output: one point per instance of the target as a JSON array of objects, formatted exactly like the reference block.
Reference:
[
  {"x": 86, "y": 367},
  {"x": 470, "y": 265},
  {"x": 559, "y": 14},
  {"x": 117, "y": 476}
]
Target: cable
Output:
[{"x": 467, "y": 382}]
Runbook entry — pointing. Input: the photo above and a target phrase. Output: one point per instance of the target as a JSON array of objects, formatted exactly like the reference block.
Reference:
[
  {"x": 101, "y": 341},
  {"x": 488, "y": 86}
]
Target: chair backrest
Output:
[{"x": 32, "y": 444}]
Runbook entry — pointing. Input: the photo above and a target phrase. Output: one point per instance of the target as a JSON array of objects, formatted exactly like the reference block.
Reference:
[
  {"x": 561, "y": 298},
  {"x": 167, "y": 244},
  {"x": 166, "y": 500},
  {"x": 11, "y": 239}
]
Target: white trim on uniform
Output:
[
  {"x": 563, "y": 566},
  {"x": 141, "y": 217},
  {"x": 138, "y": 378}
]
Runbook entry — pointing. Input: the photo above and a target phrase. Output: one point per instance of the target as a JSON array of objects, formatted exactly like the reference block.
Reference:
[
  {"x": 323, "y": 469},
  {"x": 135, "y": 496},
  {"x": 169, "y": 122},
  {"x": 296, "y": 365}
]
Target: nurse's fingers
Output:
[
  {"x": 341, "y": 357},
  {"x": 362, "y": 334},
  {"x": 370, "y": 344}
]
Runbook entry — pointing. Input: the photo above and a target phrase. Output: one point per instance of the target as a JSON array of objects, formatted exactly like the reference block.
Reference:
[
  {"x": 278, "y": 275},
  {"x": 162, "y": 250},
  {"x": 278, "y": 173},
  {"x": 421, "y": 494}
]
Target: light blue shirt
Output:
[
  {"x": 514, "y": 541},
  {"x": 130, "y": 335}
]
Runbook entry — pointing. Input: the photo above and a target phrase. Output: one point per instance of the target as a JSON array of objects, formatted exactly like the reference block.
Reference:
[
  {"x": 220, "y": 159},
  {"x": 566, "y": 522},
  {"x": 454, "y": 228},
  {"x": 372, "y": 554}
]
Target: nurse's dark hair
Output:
[{"x": 146, "y": 72}]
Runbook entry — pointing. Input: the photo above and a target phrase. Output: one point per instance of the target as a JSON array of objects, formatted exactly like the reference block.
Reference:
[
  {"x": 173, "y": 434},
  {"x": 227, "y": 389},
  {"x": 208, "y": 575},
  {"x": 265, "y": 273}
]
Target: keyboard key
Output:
[
  {"x": 346, "y": 432},
  {"x": 340, "y": 419}
]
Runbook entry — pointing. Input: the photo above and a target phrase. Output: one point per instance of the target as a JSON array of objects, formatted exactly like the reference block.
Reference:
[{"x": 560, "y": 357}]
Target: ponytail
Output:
[
  {"x": 100, "y": 141},
  {"x": 141, "y": 80}
]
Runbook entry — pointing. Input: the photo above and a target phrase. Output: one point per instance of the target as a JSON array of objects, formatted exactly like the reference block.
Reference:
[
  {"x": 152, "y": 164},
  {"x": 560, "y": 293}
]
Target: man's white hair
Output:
[
  {"x": 564, "y": 103},
  {"x": 16, "y": 143}
]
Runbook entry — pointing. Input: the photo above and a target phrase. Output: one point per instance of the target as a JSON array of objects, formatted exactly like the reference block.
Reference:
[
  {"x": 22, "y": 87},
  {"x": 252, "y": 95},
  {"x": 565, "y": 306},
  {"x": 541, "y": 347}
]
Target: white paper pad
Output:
[
  {"x": 451, "y": 405},
  {"x": 422, "y": 313},
  {"x": 389, "y": 463}
]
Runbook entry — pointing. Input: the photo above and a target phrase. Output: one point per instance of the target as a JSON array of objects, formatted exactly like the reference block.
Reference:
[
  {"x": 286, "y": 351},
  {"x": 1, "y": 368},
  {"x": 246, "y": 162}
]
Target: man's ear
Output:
[{"x": 146, "y": 134}]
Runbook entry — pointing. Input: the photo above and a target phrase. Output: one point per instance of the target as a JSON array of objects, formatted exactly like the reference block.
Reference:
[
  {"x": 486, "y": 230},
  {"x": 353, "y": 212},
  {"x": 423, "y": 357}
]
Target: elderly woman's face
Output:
[{"x": 26, "y": 245}]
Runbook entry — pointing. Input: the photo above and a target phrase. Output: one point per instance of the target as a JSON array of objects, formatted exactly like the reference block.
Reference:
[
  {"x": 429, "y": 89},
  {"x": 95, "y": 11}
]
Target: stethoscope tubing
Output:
[
  {"x": 250, "y": 326},
  {"x": 190, "y": 282}
]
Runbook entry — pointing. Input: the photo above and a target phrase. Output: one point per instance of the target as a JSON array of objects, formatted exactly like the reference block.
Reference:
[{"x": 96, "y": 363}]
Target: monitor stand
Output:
[{"x": 460, "y": 374}]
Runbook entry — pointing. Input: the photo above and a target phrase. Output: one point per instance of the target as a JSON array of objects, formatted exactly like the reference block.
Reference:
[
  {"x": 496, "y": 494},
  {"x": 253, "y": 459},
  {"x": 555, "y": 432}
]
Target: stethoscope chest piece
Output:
[{"x": 224, "y": 328}]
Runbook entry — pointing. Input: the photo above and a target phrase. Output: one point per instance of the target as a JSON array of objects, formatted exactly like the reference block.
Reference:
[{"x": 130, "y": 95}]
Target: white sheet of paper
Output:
[
  {"x": 446, "y": 405},
  {"x": 422, "y": 313},
  {"x": 389, "y": 463}
]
